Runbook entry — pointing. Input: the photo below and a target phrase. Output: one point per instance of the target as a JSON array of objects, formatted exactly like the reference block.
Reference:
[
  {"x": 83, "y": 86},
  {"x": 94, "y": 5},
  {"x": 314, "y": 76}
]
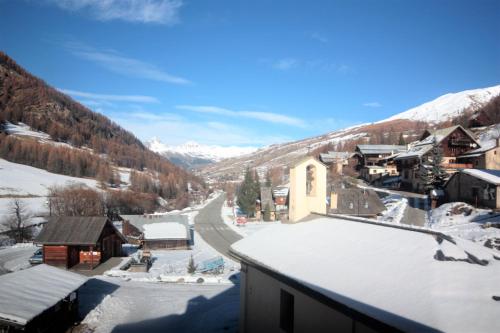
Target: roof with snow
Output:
[
  {"x": 166, "y": 231},
  {"x": 74, "y": 230},
  {"x": 139, "y": 221},
  {"x": 425, "y": 145},
  {"x": 380, "y": 149},
  {"x": 413, "y": 280},
  {"x": 490, "y": 176},
  {"x": 27, "y": 293},
  {"x": 487, "y": 146},
  {"x": 332, "y": 156}
]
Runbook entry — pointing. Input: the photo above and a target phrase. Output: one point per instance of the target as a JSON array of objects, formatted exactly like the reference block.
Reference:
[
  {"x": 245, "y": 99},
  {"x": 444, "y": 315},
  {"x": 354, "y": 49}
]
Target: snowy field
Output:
[
  {"x": 115, "y": 305},
  {"x": 464, "y": 221},
  {"x": 23, "y": 180}
]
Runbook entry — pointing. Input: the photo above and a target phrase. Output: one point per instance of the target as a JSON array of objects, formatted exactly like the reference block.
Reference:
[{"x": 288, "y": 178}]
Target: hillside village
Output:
[{"x": 388, "y": 225}]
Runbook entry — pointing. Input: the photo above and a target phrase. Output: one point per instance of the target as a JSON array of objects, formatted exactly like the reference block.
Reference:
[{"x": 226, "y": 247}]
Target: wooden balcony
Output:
[{"x": 457, "y": 165}]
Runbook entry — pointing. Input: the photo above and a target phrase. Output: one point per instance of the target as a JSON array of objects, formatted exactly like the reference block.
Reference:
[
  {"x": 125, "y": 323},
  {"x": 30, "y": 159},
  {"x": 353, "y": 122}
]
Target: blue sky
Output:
[{"x": 252, "y": 73}]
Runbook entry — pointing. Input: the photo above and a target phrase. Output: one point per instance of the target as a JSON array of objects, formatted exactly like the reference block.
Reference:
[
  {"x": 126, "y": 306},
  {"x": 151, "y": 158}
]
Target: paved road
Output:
[
  {"x": 209, "y": 224},
  {"x": 15, "y": 257}
]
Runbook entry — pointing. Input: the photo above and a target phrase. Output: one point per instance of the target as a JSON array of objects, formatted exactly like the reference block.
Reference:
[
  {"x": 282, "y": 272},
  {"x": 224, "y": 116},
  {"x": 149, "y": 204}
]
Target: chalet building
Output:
[
  {"x": 355, "y": 201},
  {"x": 336, "y": 160},
  {"x": 71, "y": 240},
  {"x": 372, "y": 154},
  {"x": 355, "y": 275},
  {"x": 477, "y": 187},
  {"x": 166, "y": 236},
  {"x": 158, "y": 231},
  {"x": 39, "y": 299},
  {"x": 486, "y": 157},
  {"x": 454, "y": 142}
]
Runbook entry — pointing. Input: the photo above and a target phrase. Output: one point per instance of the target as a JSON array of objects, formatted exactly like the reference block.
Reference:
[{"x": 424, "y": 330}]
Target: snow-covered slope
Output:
[
  {"x": 191, "y": 153},
  {"x": 449, "y": 105}
]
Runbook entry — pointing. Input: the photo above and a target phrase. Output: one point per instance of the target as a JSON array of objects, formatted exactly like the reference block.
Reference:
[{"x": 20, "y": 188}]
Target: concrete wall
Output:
[
  {"x": 302, "y": 204},
  {"x": 260, "y": 308}
]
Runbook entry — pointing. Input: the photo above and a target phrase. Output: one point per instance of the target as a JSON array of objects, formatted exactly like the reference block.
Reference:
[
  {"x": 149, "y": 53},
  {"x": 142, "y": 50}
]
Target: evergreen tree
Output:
[
  {"x": 247, "y": 194},
  {"x": 401, "y": 140},
  {"x": 431, "y": 172}
]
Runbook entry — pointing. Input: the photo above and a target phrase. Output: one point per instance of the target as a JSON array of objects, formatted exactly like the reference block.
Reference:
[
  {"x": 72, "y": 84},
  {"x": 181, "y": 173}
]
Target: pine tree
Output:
[
  {"x": 401, "y": 140},
  {"x": 247, "y": 194},
  {"x": 431, "y": 172}
]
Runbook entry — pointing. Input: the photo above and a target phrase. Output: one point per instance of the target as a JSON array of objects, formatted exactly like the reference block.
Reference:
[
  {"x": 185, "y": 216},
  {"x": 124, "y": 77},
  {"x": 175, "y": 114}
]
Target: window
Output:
[{"x": 286, "y": 311}]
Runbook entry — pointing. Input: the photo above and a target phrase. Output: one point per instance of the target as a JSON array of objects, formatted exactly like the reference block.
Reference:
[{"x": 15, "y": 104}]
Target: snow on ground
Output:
[
  {"x": 464, "y": 221},
  {"x": 14, "y": 258},
  {"x": 23, "y": 180},
  {"x": 395, "y": 208},
  {"x": 244, "y": 230},
  {"x": 24, "y": 130},
  {"x": 171, "y": 266},
  {"x": 113, "y": 305}
]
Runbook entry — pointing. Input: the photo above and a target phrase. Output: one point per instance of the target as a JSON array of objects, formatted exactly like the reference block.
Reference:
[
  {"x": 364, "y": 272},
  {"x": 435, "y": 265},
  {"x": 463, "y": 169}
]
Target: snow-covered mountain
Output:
[
  {"x": 192, "y": 154},
  {"x": 410, "y": 124},
  {"x": 449, "y": 106}
]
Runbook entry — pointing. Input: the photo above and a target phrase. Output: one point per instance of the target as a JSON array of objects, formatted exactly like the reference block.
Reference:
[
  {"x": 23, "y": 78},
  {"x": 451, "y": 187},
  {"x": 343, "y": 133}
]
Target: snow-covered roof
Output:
[
  {"x": 166, "y": 230},
  {"x": 139, "y": 221},
  {"x": 334, "y": 155},
  {"x": 423, "y": 146},
  {"x": 490, "y": 176},
  {"x": 27, "y": 293},
  {"x": 486, "y": 146},
  {"x": 380, "y": 149},
  {"x": 410, "y": 280}
]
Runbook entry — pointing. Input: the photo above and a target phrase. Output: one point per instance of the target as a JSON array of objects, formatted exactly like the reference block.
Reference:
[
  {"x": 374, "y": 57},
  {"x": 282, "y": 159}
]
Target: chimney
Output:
[{"x": 498, "y": 142}]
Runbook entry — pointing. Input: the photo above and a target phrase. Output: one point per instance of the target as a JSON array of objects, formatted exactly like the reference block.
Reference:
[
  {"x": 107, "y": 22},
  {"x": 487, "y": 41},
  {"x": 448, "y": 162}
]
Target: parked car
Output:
[{"x": 37, "y": 257}]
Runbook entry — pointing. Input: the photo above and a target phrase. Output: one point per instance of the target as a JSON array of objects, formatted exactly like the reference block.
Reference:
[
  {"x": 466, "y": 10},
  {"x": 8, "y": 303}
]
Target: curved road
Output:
[{"x": 209, "y": 224}]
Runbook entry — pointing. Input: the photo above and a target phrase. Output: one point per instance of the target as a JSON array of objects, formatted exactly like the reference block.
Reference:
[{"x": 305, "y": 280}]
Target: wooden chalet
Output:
[
  {"x": 368, "y": 155},
  {"x": 71, "y": 240},
  {"x": 454, "y": 142}
]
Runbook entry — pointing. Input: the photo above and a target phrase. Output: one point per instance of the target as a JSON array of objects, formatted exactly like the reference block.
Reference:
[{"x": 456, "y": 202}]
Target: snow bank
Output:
[{"x": 462, "y": 220}]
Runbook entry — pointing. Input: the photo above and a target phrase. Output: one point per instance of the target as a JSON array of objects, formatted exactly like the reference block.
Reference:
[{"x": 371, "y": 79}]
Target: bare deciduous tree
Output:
[{"x": 17, "y": 220}]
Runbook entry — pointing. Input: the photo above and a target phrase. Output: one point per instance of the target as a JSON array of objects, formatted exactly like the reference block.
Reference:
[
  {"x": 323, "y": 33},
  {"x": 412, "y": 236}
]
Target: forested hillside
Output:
[{"x": 83, "y": 143}]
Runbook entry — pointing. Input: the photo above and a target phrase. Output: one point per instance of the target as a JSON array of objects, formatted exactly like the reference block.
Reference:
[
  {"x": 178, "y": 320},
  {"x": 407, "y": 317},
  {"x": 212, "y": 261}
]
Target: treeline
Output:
[
  {"x": 56, "y": 159},
  {"x": 79, "y": 200},
  {"x": 27, "y": 99}
]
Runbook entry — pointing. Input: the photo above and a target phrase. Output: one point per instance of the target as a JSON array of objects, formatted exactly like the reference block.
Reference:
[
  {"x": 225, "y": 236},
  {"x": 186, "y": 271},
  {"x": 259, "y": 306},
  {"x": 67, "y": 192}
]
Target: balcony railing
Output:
[{"x": 457, "y": 165}]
